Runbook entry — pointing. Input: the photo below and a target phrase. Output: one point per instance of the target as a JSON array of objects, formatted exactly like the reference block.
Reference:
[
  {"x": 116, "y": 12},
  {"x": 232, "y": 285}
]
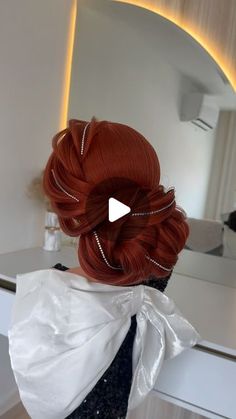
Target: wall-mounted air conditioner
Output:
[{"x": 200, "y": 109}]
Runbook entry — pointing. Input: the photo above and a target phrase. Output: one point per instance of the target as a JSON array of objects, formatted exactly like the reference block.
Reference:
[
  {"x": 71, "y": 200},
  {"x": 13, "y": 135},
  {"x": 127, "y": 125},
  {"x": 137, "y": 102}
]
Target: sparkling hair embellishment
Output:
[
  {"x": 58, "y": 184},
  {"x": 81, "y": 152},
  {"x": 119, "y": 267},
  {"x": 158, "y": 264},
  {"x": 103, "y": 254},
  {"x": 83, "y": 138},
  {"x": 155, "y": 211}
]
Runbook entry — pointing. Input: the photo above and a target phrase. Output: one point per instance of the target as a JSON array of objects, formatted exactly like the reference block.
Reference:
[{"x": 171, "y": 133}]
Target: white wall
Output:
[
  {"x": 33, "y": 43},
  {"x": 117, "y": 75},
  {"x": 222, "y": 182}
]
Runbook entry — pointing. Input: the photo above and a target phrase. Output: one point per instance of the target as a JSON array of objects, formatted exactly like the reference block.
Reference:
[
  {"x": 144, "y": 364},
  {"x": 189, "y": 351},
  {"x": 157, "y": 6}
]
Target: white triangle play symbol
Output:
[{"x": 116, "y": 209}]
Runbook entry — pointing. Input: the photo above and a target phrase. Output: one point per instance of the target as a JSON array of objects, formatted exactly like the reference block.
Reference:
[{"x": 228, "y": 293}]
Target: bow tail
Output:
[
  {"x": 148, "y": 356},
  {"x": 159, "y": 336}
]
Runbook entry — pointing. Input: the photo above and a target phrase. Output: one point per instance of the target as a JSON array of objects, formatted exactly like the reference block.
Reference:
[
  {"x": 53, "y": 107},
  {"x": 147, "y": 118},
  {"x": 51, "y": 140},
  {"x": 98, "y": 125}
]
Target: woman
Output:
[{"x": 103, "y": 326}]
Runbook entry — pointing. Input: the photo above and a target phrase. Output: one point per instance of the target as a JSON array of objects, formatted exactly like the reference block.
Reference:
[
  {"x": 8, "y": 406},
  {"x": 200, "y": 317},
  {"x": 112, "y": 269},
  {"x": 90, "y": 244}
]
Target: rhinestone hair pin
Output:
[
  {"x": 155, "y": 211},
  {"x": 103, "y": 254},
  {"x": 58, "y": 184},
  {"x": 83, "y": 138},
  {"x": 119, "y": 267},
  {"x": 81, "y": 152}
]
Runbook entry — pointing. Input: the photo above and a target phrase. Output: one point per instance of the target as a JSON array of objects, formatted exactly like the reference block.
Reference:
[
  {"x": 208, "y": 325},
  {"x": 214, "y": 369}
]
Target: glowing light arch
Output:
[
  {"x": 191, "y": 28},
  {"x": 188, "y": 27}
]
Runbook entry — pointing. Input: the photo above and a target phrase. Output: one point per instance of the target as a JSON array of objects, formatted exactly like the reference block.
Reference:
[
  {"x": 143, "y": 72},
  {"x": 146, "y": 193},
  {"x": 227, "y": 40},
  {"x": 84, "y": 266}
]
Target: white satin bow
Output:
[{"x": 65, "y": 332}]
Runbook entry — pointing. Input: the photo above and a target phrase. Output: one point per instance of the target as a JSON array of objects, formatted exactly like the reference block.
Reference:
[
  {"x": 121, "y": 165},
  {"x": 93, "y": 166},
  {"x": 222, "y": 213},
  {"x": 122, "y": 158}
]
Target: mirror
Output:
[{"x": 136, "y": 67}]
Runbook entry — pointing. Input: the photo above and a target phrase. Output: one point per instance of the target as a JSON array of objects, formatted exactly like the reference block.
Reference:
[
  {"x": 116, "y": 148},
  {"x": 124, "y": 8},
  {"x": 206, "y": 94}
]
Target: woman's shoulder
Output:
[{"x": 33, "y": 281}]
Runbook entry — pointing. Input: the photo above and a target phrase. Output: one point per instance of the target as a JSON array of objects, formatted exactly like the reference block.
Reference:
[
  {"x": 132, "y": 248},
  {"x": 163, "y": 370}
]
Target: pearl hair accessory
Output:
[{"x": 132, "y": 214}]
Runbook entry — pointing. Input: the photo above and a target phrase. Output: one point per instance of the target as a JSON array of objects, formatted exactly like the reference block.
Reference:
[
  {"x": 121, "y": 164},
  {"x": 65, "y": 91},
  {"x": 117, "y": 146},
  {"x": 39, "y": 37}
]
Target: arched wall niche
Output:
[
  {"x": 209, "y": 22},
  {"x": 212, "y": 23}
]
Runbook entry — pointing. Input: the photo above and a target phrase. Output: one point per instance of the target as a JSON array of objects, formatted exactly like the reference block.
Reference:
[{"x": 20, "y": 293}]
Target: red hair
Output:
[{"x": 112, "y": 152}]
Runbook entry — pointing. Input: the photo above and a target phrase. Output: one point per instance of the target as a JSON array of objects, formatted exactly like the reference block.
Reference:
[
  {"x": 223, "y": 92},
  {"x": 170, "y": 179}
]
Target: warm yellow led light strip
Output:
[
  {"x": 68, "y": 66},
  {"x": 193, "y": 31},
  {"x": 184, "y": 25}
]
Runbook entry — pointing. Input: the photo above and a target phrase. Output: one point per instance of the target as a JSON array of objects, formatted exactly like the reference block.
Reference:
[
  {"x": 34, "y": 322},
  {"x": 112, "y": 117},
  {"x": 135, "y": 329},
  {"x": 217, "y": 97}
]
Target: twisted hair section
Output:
[{"x": 88, "y": 163}]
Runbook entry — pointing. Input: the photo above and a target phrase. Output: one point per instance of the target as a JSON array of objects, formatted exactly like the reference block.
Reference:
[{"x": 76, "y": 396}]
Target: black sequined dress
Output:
[{"x": 109, "y": 398}]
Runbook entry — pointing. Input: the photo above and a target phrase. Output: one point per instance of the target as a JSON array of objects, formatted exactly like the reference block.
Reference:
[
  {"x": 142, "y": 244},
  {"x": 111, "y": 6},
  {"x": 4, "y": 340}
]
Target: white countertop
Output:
[
  {"x": 29, "y": 260},
  {"x": 209, "y": 306},
  {"x": 208, "y": 267}
]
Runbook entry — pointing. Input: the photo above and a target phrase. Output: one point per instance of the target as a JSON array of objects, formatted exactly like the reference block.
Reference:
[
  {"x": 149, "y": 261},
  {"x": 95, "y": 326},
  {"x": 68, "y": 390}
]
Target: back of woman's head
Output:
[{"x": 94, "y": 161}]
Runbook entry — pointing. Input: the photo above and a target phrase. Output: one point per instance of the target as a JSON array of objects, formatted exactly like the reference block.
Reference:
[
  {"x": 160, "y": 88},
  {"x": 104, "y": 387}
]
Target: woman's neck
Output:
[{"x": 79, "y": 271}]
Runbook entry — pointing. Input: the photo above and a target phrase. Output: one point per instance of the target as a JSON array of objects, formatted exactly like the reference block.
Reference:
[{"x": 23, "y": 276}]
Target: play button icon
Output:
[
  {"x": 108, "y": 210},
  {"x": 116, "y": 209}
]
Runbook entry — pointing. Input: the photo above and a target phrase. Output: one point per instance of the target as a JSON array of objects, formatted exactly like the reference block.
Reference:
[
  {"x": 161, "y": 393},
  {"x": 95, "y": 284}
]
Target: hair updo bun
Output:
[{"x": 92, "y": 161}]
